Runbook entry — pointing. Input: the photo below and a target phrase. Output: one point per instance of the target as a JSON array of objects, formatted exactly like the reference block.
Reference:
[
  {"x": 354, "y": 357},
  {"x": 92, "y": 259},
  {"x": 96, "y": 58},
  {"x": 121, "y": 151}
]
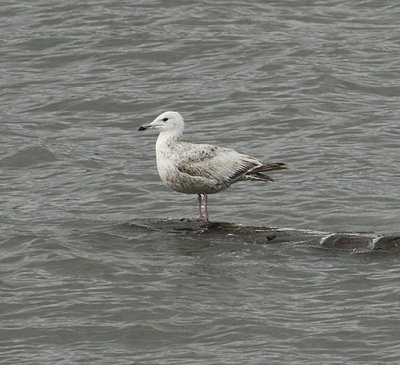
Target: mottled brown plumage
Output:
[{"x": 201, "y": 168}]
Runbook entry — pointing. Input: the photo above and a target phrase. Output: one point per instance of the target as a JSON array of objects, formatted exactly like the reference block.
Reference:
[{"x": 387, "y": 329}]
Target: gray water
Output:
[{"x": 311, "y": 83}]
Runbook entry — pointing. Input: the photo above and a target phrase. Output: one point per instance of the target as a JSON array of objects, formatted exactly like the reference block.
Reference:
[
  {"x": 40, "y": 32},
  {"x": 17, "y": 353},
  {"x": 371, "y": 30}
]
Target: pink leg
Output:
[
  {"x": 206, "y": 206},
  {"x": 199, "y": 201}
]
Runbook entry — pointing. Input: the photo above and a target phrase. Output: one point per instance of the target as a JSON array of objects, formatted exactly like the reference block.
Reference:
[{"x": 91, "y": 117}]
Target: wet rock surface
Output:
[{"x": 270, "y": 235}]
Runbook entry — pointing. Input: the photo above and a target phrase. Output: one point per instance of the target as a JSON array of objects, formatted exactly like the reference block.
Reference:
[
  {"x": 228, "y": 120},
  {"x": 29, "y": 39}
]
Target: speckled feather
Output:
[{"x": 200, "y": 168}]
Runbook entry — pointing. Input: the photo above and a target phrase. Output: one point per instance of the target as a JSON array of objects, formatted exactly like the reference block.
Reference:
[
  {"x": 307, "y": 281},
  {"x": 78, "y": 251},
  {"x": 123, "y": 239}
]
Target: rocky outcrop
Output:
[{"x": 266, "y": 235}]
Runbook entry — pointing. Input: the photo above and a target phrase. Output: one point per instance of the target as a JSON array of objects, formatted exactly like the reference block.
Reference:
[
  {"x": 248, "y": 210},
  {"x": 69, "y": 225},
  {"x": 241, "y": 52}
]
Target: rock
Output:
[
  {"x": 269, "y": 235},
  {"x": 387, "y": 243},
  {"x": 347, "y": 241}
]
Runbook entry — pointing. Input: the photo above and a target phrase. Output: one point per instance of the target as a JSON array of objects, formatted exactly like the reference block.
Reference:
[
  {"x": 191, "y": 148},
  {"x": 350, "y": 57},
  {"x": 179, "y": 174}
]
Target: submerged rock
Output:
[{"x": 269, "y": 235}]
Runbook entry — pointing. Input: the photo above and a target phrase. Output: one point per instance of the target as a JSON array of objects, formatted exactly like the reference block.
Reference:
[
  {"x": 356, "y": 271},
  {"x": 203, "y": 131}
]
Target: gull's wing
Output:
[{"x": 215, "y": 163}]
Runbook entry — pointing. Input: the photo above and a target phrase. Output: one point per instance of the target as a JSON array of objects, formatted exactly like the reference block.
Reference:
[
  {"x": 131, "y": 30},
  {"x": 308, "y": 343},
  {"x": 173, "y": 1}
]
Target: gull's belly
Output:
[{"x": 184, "y": 183}]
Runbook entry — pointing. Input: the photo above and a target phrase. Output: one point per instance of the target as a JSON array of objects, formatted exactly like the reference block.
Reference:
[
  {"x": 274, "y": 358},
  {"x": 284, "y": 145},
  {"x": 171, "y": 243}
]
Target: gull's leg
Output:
[
  {"x": 199, "y": 201},
  {"x": 205, "y": 207}
]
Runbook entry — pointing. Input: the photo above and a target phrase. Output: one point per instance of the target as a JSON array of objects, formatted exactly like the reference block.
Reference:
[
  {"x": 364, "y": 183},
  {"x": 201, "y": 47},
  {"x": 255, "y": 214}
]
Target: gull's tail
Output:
[{"x": 256, "y": 174}]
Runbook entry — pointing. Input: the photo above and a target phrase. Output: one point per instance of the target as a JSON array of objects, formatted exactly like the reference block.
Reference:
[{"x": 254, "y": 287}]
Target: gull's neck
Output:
[{"x": 167, "y": 138}]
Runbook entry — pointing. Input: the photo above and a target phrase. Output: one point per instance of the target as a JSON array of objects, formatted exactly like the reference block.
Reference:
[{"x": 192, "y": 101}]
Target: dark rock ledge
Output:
[{"x": 358, "y": 242}]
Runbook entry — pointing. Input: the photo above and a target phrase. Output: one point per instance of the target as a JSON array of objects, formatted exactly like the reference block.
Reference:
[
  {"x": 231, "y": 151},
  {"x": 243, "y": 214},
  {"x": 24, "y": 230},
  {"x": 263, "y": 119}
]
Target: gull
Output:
[{"x": 201, "y": 169}]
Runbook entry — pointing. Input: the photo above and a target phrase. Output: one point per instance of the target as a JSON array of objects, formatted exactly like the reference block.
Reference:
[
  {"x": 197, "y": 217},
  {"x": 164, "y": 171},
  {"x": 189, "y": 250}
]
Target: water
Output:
[{"x": 314, "y": 84}]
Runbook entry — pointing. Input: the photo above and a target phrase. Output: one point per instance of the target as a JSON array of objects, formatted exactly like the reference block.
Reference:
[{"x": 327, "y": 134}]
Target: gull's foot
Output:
[{"x": 196, "y": 219}]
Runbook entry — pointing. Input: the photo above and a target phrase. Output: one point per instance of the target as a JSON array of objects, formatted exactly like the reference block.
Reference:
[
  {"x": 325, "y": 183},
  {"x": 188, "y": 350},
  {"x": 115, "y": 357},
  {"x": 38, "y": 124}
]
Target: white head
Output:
[{"x": 167, "y": 121}]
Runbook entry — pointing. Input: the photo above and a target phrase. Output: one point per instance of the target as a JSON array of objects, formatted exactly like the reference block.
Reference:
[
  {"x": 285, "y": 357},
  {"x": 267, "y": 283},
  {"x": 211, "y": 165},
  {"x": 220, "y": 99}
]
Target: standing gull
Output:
[{"x": 200, "y": 168}]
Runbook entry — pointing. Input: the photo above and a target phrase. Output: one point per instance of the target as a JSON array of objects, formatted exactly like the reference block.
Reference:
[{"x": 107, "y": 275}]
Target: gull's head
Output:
[{"x": 167, "y": 121}]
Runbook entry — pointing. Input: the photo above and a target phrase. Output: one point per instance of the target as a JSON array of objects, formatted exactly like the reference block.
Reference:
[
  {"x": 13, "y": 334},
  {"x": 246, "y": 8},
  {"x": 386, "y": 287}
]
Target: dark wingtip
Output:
[
  {"x": 141, "y": 128},
  {"x": 278, "y": 165},
  {"x": 270, "y": 166}
]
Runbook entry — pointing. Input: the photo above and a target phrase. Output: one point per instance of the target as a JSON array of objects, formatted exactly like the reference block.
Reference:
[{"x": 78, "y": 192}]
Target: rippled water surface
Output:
[{"x": 313, "y": 83}]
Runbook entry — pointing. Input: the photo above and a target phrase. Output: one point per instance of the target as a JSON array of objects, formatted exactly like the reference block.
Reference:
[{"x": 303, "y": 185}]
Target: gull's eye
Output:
[{"x": 165, "y": 120}]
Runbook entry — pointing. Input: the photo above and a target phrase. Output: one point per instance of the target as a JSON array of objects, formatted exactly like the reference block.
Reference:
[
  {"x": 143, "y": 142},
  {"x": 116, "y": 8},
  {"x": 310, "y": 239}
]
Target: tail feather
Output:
[
  {"x": 256, "y": 173},
  {"x": 269, "y": 167},
  {"x": 257, "y": 176}
]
